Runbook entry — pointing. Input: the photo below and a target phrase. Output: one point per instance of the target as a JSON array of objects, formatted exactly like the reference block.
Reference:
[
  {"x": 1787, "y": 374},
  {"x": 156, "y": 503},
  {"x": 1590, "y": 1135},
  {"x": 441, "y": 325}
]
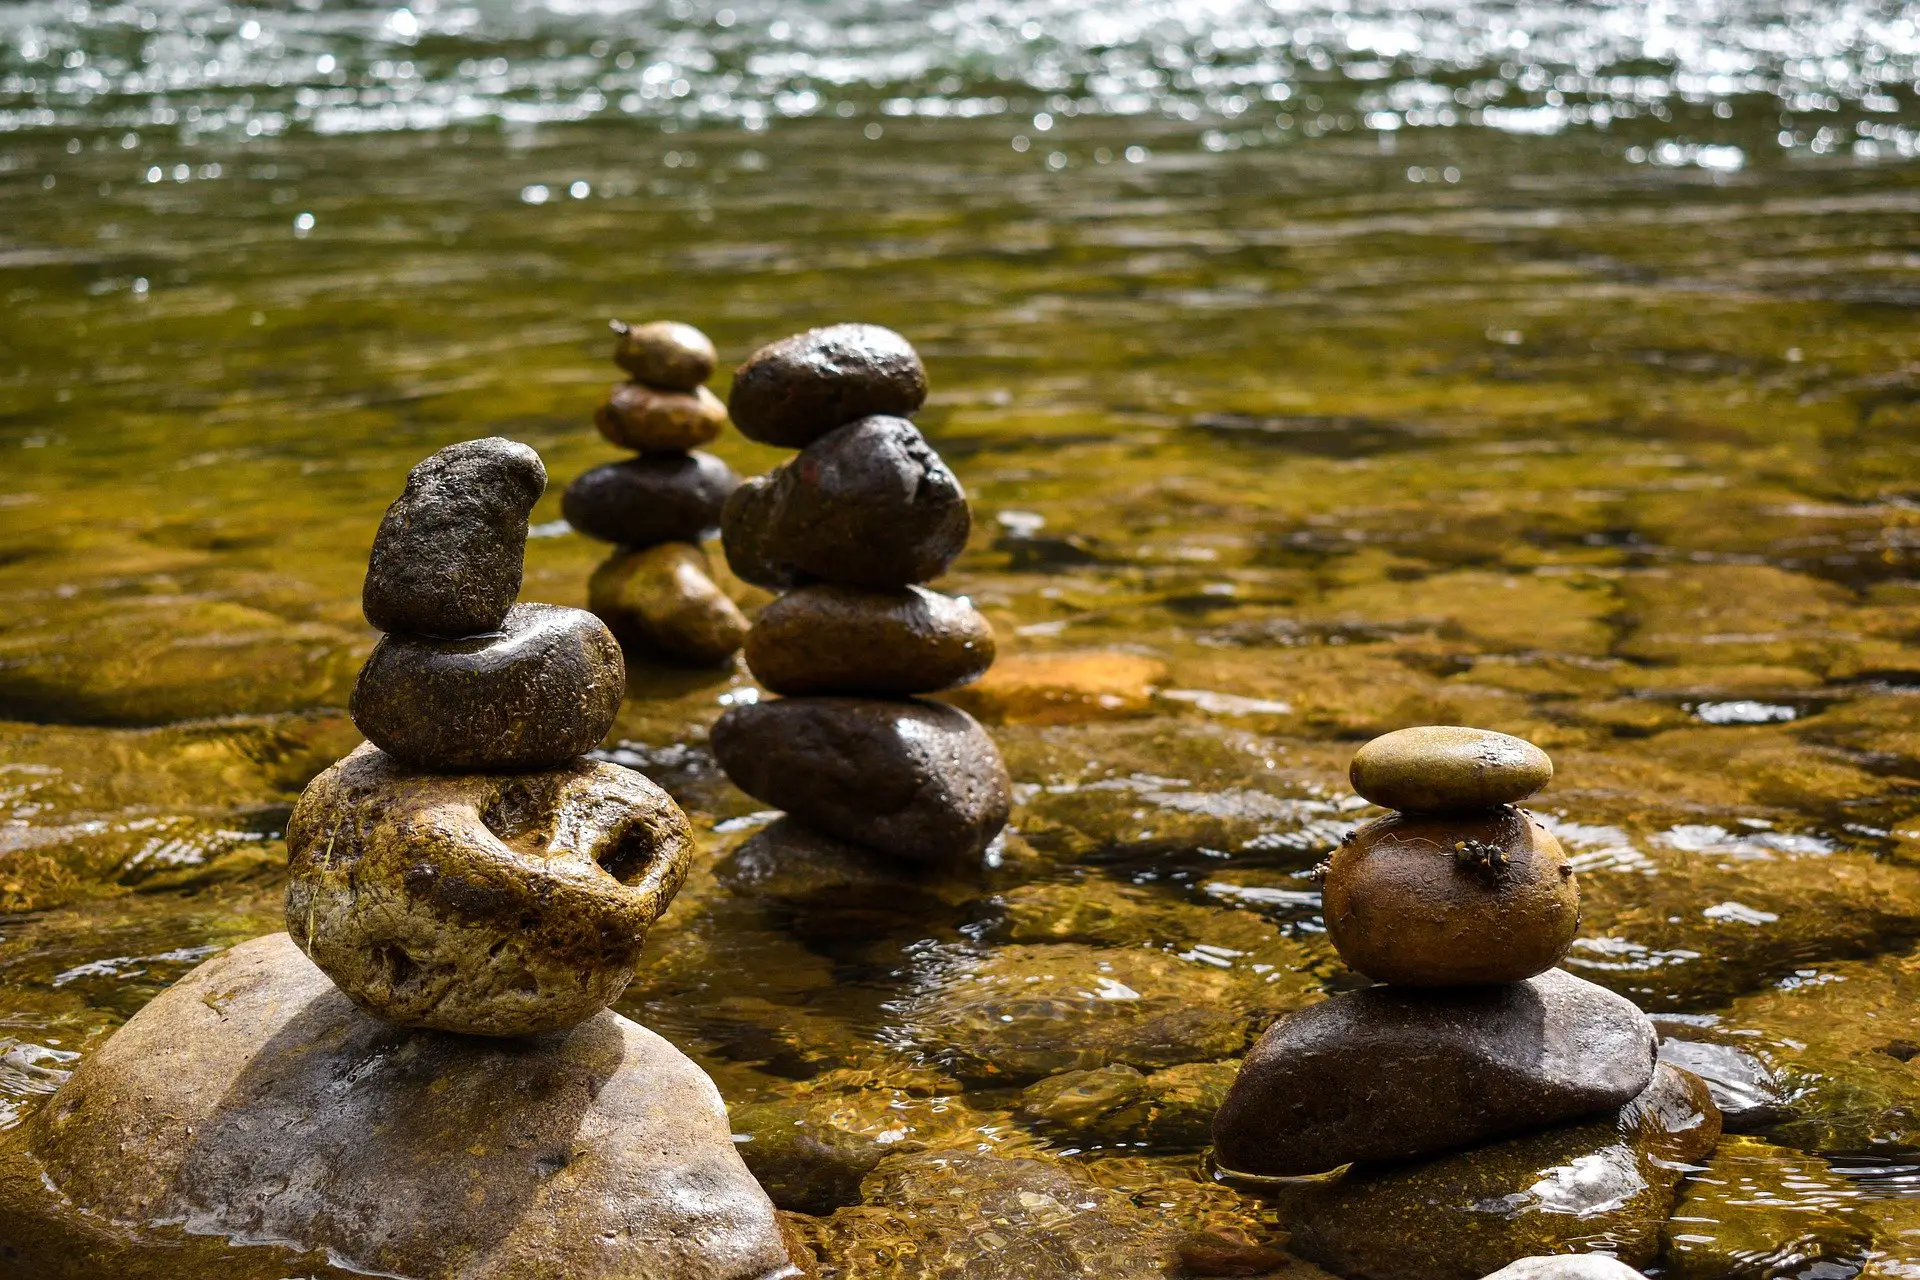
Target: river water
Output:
[{"x": 1319, "y": 369}]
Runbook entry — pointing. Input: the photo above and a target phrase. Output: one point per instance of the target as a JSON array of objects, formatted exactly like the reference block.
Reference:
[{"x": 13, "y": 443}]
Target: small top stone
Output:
[
  {"x": 664, "y": 354},
  {"x": 794, "y": 391},
  {"x": 447, "y": 558},
  {"x": 1448, "y": 769}
]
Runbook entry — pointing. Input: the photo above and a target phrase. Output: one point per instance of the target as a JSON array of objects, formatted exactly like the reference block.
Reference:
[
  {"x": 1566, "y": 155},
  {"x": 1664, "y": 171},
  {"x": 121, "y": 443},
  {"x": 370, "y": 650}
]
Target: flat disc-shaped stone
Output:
[
  {"x": 827, "y": 639},
  {"x": 1448, "y": 769}
]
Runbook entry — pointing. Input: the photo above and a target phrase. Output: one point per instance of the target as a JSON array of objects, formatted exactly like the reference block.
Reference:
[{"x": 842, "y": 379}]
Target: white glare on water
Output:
[{"x": 205, "y": 67}]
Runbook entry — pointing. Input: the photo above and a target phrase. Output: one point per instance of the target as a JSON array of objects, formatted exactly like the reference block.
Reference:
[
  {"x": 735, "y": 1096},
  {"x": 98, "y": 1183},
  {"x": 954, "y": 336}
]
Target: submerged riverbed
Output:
[{"x": 1311, "y": 376}]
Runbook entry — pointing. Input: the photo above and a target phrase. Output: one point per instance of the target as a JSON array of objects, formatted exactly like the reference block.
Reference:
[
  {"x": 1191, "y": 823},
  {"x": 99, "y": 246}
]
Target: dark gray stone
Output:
[
  {"x": 254, "y": 1105},
  {"x": 656, "y": 497},
  {"x": 542, "y": 691},
  {"x": 1748, "y": 1095},
  {"x": 869, "y": 504},
  {"x": 447, "y": 558},
  {"x": 791, "y": 392},
  {"x": 1387, "y": 1073},
  {"x": 918, "y": 780}
]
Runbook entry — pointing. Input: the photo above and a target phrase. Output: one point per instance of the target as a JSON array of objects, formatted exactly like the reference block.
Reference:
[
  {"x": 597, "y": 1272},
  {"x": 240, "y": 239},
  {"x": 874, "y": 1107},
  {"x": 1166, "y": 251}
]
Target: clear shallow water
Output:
[{"x": 1603, "y": 434}]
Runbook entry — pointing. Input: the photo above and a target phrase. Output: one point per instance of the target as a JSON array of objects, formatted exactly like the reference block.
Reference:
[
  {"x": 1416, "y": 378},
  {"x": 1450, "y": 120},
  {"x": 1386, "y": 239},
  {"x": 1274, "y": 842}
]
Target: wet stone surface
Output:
[
  {"x": 663, "y": 601},
  {"x": 543, "y": 690},
  {"x": 869, "y": 504},
  {"x": 638, "y": 417},
  {"x": 664, "y": 354},
  {"x": 446, "y": 558},
  {"x": 657, "y": 497},
  {"x": 826, "y": 639},
  {"x": 792, "y": 392}
]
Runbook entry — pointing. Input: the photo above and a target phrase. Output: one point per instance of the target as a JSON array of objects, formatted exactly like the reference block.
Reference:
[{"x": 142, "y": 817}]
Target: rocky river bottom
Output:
[{"x": 1272, "y": 447}]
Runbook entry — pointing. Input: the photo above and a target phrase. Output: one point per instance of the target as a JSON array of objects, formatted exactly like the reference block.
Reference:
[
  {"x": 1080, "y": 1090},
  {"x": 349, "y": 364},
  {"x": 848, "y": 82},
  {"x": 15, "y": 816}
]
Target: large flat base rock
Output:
[{"x": 252, "y": 1104}]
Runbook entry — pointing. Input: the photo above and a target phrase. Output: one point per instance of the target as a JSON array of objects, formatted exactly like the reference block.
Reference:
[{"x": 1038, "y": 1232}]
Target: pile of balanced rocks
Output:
[
  {"x": 464, "y": 871},
  {"x": 1460, "y": 904},
  {"x": 657, "y": 591},
  {"x": 848, "y": 530}
]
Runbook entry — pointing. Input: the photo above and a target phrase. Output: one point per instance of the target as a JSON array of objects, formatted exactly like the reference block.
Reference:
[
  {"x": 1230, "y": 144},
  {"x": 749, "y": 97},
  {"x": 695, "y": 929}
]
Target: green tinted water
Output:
[{"x": 1619, "y": 454}]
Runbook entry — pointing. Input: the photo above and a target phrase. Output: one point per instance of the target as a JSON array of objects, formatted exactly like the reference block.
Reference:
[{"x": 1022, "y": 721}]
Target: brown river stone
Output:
[
  {"x": 1441, "y": 902},
  {"x": 791, "y": 392},
  {"x": 828, "y": 639},
  {"x": 663, "y": 600},
  {"x": 636, "y": 416},
  {"x": 490, "y": 904},
  {"x": 253, "y": 1103},
  {"x": 665, "y": 354}
]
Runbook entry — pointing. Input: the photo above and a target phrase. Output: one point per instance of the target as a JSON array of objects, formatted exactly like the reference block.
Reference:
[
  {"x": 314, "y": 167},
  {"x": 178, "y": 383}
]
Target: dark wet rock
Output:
[
  {"x": 1169, "y": 1110},
  {"x": 987, "y": 1216},
  {"x": 663, "y": 600},
  {"x": 791, "y": 392},
  {"x": 1388, "y": 1074},
  {"x": 447, "y": 558},
  {"x": 1450, "y": 901},
  {"x": 156, "y": 660},
  {"x": 490, "y": 904},
  {"x": 638, "y": 417},
  {"x": 1019, "y": 1013},
  {"x": 664, "y": 354},
  {"x": 543, "y": 690},
  {"x": 869, "y": 504},
  {"x": 1759, "y": 1212},
  {"x": 1459, "y": 1217},
  {"x": 1448, "y": 769},
  {"x": 1577, "y": 1266},
  {"x": 253, "y": 1102},
  {"x": 914, "y": 779},
  {"x": 1748, "y": 1094},
  {"x": 851, "y": 640},
  {"x": 657, "y": 497}
]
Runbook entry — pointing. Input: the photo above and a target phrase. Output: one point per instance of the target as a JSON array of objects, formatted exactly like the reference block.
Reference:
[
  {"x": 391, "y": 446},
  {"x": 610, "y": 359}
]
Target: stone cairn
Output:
[
  {"x": 1460, "y": 904},
  {"x": 465, "y": 869},
  {"x": 847, "y": 530},
  {"x": 657, "y": 591}
]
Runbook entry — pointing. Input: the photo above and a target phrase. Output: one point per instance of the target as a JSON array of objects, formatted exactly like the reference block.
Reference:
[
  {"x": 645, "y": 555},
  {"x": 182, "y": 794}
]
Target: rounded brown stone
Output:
[
  {"x": 638, "y": 417},
  {"x": 1440, "y": 902},
  {"x": 656, "y": 497},
  {"x": 919, "y": 780},
  {"x": 663, "y": 599},
  {"x": 1448, "y": 769},
  {"x": 541, "y": 691},
  {"x": 833, "y": 639},
  {"x": 489, "y": 904},
  {"x": 869, "y": 504},
  {"x": 793, "y": 391},
  {"x": 446, "y": 560},
  {"x": 664, "y": 354}
]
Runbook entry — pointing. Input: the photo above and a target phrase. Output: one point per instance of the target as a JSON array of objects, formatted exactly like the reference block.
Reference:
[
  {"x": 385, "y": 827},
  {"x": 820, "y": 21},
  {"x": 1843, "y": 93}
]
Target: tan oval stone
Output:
[
  {"x": 490, "y": 904},
  {"x": 1448, "y": 769},
  {"x": 665, "y": 354},
  {"x": 1063, "y": 688},
  {"x": 834, "y": 639},
  {"x": 663, "y": 599},
  {"x": 1440, "y": 902},
  {"x": 640, "y": 417}
]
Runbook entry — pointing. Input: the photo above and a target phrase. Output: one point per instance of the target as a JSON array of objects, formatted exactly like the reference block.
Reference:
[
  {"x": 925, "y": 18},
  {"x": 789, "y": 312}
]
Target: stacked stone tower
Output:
[
  {"x": 1461, "y": 904},
  {"x": 848, "y": 530},
  {"x": 466, "y": 869},
  {"x": 657, "y": 591}
]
